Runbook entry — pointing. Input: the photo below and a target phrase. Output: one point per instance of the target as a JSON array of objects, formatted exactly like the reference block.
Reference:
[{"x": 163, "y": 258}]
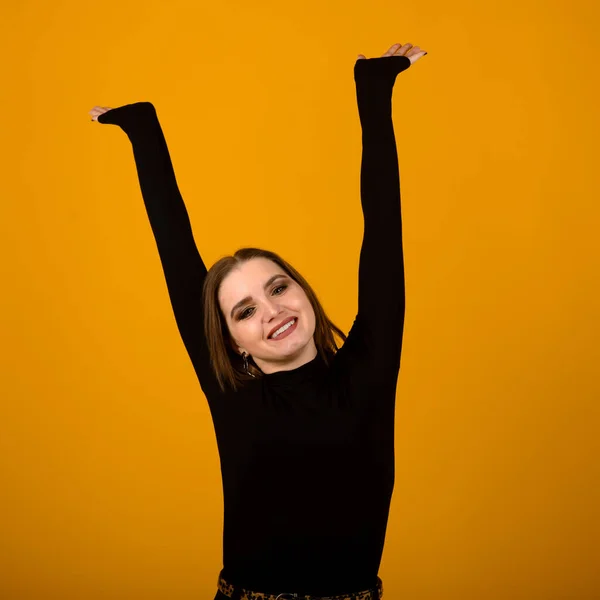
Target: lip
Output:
[{"x": 280, "y": 325}]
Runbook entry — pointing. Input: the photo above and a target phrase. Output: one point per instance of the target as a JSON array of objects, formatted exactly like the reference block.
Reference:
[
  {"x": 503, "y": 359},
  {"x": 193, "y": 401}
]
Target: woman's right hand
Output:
[
  {"x": 414, "y": 53},
  {"x": 97, "y": 111}
]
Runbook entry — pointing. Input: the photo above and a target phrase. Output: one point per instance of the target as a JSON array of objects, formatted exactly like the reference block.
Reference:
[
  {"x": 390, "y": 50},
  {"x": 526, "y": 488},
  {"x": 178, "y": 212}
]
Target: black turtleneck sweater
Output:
[{"x": 307, "y": 455}]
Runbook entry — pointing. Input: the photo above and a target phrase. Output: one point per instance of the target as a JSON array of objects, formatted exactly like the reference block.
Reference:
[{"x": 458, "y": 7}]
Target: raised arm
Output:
[
  {"x": 182, "y": 265},
  {"x": 375, "y": 340}
]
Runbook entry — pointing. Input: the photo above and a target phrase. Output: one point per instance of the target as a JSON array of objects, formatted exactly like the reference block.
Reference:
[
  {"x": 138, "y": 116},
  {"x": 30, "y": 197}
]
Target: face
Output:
[{"x": 256, "y": 299}]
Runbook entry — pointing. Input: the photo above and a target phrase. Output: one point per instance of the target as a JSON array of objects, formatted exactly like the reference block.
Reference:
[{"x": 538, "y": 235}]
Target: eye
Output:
[
  {"x": 244, "y": 314},
  {"x": 280, "y": 287}
]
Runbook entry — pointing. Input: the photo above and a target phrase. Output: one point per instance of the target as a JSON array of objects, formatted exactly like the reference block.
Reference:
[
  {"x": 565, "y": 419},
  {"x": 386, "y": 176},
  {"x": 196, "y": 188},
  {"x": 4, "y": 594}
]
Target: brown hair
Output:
[{"x": 226, "y": 362}]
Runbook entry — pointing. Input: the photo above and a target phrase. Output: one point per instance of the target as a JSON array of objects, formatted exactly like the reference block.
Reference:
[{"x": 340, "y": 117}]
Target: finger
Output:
[
  {"x": 415, "y": 57},
  {"x": 96, "y": 112},
  {"x": 413, "y": 50},
  {"x": 403, "y": 50},
  {"x": 361, "y": 57},
  {"x": 392, "y": 49}
]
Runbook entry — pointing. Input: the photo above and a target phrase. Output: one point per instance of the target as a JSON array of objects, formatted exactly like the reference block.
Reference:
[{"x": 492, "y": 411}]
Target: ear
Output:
[
  {"x": 233, "y": 345},
  {"x": 237, "y": 349}
]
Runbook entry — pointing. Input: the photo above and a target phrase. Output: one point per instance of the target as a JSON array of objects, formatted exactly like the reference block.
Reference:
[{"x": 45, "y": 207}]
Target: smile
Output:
[{"x": 284, "y": 330}]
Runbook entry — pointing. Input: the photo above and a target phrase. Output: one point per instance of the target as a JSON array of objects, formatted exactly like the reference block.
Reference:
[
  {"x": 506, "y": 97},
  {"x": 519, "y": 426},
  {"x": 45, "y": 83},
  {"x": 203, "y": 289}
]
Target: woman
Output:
[{"x": 305, "y": 431}]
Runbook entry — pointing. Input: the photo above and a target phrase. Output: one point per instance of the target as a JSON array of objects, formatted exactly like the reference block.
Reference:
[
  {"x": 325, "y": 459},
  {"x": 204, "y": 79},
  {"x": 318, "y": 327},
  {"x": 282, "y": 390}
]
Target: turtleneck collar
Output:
[{"x": 300, "y": 374}]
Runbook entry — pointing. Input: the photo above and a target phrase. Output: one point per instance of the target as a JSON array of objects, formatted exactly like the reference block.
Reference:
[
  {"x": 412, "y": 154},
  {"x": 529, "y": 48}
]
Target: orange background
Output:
[{"x": 110, "y": 482}]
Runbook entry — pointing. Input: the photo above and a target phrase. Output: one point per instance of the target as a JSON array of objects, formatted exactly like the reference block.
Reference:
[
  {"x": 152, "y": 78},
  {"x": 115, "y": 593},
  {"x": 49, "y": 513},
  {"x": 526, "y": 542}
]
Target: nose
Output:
[{"x": 272, "y": 309}]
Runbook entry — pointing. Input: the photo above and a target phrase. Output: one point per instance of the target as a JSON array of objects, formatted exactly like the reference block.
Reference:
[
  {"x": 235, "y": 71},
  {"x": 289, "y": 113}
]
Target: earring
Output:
[{"x": 245, "y": 357}]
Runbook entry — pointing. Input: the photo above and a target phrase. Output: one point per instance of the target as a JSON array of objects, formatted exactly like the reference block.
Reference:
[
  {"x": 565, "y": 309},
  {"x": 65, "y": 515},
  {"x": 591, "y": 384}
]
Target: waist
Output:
[{"x": 235, "y": 592}]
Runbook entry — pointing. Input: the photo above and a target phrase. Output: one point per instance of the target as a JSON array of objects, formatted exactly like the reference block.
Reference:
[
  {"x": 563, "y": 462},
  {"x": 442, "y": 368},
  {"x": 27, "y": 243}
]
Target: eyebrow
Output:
[{"x": 248, "y": 298}]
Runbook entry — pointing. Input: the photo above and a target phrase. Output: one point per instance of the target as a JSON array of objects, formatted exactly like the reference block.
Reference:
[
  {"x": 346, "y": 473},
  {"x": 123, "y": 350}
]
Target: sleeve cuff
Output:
[{"x": 384, "y": 67}]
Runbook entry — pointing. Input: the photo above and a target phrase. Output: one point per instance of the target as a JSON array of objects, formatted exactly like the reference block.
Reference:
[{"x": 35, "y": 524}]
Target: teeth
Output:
[{"x": 282, "y": 329}]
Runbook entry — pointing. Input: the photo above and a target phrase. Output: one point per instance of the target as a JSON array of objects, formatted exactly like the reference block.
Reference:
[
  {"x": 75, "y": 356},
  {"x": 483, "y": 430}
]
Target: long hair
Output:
[{"x": 226, "y": 362}]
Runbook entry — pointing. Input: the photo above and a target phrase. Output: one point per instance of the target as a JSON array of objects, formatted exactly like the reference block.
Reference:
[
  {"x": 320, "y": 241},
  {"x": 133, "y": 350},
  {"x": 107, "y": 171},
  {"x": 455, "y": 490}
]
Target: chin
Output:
[{"x": 296, "y": 349}]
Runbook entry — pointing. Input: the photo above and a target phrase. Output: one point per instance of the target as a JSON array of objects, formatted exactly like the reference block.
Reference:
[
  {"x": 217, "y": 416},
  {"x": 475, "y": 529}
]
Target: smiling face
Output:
[{"x": 256, "y": 298}]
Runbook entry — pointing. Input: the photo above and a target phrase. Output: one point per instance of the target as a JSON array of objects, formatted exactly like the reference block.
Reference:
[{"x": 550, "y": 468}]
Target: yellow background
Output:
[{"x": 110, "y": 481}]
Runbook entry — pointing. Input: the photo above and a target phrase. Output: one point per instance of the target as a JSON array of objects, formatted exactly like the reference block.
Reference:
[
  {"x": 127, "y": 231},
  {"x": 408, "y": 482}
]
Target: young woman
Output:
[{"x": 305, "y": 430}]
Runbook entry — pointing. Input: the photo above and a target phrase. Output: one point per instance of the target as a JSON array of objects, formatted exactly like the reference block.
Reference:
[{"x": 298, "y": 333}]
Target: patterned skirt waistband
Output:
[{"x": 243, "y": 594}]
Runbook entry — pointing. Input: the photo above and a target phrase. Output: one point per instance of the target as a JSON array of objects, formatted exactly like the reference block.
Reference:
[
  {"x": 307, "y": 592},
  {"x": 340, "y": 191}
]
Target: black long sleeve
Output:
[
  {"x": 375, "y": 340},
  {"x": 307, "y": 455},
  {"x": 182, "y": 265}
]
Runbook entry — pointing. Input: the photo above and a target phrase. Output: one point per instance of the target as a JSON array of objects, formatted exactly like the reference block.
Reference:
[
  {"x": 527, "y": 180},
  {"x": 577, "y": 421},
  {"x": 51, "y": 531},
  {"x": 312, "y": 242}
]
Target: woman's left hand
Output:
[{"x": 414, "y": 53}]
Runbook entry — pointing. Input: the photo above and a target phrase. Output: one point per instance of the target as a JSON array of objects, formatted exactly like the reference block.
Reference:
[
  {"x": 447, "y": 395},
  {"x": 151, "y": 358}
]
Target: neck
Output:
[{"x": 306, "y": 354}]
